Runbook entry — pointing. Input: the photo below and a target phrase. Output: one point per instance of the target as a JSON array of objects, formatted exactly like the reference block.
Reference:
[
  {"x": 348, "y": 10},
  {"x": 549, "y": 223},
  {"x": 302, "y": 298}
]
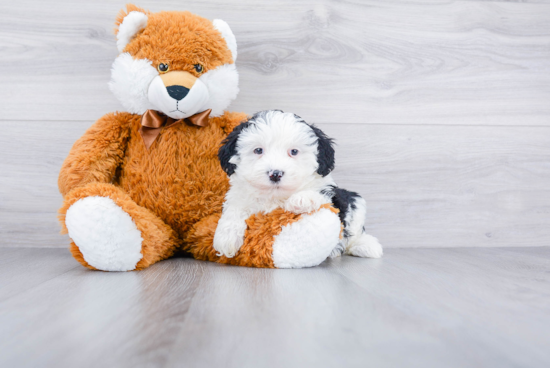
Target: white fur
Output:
[
  {"x": 307, "y": 242},
  {"x": 192, "y": 103},
  {"x": 365, "y": 246},
  {"x": 276, "y": 134},
  {"x": 131, "y": 24},
  {"x": 301, "y": 190},
  {"x": 358, "y": 243},
  {"x": 304, "y": 201},
  {"x": 223, "y": 86},
  {"x": 228, "y": 35},
  {"x": 251, "y": 190},
  {"x": 138, "y": 87},
  {"x": 229, "y": 235},
  {"x": 106, "y": 236},
  {"x": 130, "y": 80}
]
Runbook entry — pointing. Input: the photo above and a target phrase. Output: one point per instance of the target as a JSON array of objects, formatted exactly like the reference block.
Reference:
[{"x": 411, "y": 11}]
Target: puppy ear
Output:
[
  {"x": 325, "y": 154},
  {"x": 228, "y": 36},
  {"x": 128, "y": 23},
  {"x": 229, "y": 148}
]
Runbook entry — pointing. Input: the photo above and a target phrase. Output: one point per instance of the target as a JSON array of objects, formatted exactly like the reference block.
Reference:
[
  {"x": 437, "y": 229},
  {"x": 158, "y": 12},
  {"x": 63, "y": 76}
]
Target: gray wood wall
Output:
[{"x": 441, "y": 108}]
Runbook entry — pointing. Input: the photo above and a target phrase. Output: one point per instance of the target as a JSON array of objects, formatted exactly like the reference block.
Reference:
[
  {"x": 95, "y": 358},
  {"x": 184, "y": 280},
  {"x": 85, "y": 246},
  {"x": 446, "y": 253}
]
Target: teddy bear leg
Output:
[
  {"x": 308, "y": 241},
  {"x": 276, "y": 240},
  {"x": 255, "y": 252},
  {"x": 110, "y": 232},
  {"x": 200, "y": 238}
]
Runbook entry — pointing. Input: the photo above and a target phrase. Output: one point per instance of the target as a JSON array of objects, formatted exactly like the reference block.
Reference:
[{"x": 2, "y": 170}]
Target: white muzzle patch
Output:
[
  {"x": 192, "y": 103},
  {"x": 138, "y": 87}
]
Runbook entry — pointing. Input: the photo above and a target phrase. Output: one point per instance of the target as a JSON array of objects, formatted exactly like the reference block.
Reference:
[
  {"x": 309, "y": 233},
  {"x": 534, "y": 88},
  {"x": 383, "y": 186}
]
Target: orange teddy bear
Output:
[{"x": 141, "y": 185}]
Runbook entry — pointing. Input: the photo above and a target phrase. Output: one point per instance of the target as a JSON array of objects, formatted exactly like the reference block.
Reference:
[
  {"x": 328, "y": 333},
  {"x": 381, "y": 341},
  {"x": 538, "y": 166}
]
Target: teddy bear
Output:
[{"x": 145, "y": 184}]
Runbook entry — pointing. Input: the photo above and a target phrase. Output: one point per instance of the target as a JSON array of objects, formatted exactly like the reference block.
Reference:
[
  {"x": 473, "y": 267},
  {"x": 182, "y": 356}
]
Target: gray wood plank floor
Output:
[{"x": 469, "y": 307}]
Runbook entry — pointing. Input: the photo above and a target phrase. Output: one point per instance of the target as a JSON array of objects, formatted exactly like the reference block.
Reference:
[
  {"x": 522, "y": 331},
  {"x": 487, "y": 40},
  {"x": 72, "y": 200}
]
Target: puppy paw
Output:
[
  {"x": 366, "y": 246},
  {"x": 228, "y": 239},
  {"x": 304, "y": 202},
  {"x": 338, "y": 251}
]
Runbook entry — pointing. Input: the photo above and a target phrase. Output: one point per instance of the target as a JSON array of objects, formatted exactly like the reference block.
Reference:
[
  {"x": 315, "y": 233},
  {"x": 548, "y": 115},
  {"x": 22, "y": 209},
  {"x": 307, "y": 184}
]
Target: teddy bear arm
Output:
[
  {"x": 229, "y": 120},
  {"x": 279, "y": 239},
  {"x": 97, "y": 154},
  {"x": 256, "y": 252}
]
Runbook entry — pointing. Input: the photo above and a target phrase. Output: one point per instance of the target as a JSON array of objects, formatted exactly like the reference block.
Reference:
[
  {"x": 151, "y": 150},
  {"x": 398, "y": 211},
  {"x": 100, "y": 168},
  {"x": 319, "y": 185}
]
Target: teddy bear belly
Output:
[
  {"x": 180, "y": 201},
  {"x": 179, "y": 179}
]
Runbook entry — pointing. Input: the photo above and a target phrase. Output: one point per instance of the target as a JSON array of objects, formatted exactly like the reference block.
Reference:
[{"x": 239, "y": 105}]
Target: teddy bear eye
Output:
[
  {"x": 258, "y": 151},
  {"x": 163, "y": 68},
  {"x": 198, "y": 68},
  {"x": 293, "y": 152}
]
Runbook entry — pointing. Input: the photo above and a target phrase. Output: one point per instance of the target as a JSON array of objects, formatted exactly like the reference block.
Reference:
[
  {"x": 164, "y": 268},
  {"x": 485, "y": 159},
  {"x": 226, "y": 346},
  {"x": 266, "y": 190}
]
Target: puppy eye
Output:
[
  {"x": 258, "y": 151},
  {"x": 163, "y": 68},
  {"x": 293, "y": 152},
  {"x": 198, "y": 68}
]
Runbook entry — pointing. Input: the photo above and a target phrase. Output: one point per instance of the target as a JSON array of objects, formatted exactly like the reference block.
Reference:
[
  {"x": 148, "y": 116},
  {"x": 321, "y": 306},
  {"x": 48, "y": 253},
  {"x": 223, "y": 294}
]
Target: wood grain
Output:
[
  {"x": 32, "y": 154},
  {"x": 469, "y": 307},
  {"x": 441, "y": 108},
  {"x": 438, "y": 62},
  {"x": 441, "y": 111},
  {"x": 426, "y": 186},
  {"x": 23, "y": 269}
]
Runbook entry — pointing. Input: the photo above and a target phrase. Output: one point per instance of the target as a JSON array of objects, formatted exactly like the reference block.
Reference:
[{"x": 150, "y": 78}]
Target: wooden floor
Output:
[{"x": 467, "y": 307}]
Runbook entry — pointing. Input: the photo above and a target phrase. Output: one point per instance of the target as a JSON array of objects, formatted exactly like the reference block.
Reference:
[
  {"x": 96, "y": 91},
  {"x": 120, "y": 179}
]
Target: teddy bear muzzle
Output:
[{"x": 178, "y": 94}]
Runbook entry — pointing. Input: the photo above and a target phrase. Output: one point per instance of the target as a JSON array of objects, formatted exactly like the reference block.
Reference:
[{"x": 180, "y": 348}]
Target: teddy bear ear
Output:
[
  {"x": 228, "y": 35},
  {"x": 128, "y": 23}
]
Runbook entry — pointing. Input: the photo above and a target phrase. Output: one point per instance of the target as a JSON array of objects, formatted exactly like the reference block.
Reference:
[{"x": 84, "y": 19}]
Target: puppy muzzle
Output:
[{"x": 178, "y": 94}]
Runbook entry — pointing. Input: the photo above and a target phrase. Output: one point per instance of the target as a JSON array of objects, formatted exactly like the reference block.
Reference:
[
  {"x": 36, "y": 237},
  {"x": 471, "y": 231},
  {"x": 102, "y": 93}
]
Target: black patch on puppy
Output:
[
  {"x": 344, "y": 200},
  {"x": 325, "y": 147},
  {"x": 229, "y": 148},
  {"x": 325, "y": 156},
  {"x": 229, "y": 144}
]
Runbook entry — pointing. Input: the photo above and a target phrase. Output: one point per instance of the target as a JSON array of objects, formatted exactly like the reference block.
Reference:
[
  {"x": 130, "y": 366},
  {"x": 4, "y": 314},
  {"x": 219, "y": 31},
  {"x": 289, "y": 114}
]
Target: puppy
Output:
[{"x": 276, "y": 159}]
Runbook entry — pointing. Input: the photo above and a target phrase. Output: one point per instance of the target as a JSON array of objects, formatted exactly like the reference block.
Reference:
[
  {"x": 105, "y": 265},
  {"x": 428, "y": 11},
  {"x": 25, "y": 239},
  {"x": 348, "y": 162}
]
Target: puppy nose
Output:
[
  {"x": 177, "y": 92},
  {"x": 275, "y": 175}
]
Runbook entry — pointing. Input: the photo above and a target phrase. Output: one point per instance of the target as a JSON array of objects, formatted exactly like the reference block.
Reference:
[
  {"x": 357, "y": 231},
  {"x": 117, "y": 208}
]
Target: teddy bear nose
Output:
[
  {"x": 177, "y": 92},
  {"x": 276, "y": 175}
]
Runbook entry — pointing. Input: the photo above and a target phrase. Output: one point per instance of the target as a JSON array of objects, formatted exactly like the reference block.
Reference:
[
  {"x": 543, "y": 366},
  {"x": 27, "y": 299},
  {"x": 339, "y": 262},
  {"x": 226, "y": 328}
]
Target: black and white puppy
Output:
[{"x": 276, "y": 159}]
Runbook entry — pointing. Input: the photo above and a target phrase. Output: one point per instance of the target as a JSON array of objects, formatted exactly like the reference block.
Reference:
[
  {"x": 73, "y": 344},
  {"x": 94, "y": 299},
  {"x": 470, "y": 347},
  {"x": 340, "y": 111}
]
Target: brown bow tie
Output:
[{"x": 153, "y": 121}]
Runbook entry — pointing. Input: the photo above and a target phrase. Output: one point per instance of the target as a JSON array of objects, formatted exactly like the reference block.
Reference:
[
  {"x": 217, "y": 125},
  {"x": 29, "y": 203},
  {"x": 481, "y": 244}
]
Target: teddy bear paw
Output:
[
  {"x": 307, "y": 242},
  {"x": 106, "y": 236}
]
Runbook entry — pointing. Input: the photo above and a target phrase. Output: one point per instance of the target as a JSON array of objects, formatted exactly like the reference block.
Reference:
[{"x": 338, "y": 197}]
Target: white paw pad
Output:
[
  {"x": 107, "y": 236},
  {"x": 307, "y": 242}
]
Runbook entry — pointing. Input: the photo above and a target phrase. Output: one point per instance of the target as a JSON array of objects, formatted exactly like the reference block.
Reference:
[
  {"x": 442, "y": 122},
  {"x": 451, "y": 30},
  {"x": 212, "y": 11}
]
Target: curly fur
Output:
[
  {"x": 167, "y": 197},
  {"x": 277, "y": 160}
]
